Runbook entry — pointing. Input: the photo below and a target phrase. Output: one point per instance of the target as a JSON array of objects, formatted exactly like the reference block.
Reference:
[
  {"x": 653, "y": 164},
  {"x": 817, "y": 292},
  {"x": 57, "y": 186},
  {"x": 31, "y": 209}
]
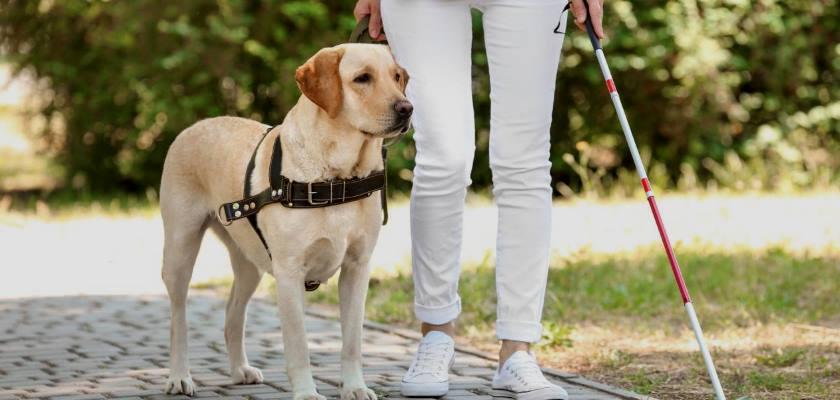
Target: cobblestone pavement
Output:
[{"x": 97, "y": 347}]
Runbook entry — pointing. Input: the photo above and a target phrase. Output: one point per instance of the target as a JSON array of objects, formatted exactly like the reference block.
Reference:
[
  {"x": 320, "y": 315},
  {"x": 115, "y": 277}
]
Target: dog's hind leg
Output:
[
  {"x": 246, "y": 278},
  {"x": 184, "y": 227}
]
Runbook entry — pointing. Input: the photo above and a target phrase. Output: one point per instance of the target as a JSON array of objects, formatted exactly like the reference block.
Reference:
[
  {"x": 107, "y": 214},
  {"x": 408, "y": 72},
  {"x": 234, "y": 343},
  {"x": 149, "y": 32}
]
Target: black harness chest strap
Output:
[
  {"x": 249, "y": 172},
  {"x": 292, "y": 194}
]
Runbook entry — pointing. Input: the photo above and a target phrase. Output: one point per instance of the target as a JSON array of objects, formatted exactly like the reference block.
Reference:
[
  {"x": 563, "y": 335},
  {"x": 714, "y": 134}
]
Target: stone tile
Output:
[
  {"x": 79, "y": 397},
  {"x": 116, "y": 347},
  {"x": 244, "y": 390}
]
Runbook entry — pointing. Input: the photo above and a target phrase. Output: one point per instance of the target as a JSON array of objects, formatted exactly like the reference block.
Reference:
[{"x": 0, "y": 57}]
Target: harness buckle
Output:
[{"x": 309, "y": 193}]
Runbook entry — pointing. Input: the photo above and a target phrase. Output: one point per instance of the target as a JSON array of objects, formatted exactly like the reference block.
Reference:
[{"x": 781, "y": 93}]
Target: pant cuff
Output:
[
  {"x": 438, "y": 315},
  {"x": 522, "y": 331}
]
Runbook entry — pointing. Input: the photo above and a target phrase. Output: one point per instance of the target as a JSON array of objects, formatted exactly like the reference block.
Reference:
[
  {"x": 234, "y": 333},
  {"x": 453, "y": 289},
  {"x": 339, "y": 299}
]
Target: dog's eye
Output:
[
  {"x": 363, "y": 78},
  {"x": 397, "y": 77}
]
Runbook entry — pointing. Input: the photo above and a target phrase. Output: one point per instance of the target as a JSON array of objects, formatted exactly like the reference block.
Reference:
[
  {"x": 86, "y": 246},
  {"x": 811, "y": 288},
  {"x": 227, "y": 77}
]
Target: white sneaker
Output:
[
  {"x": 428, "y": 375},
  {"x": 521, "y": 378}
]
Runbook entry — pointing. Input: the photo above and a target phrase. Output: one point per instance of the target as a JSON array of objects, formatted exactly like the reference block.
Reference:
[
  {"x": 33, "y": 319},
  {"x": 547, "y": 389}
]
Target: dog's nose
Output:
[{"x": 404, "y": 108}]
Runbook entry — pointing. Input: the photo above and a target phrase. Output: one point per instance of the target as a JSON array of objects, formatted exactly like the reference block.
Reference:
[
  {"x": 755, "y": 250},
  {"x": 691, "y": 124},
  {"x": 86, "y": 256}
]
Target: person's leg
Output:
[
  {"x": 523, "y": 51},
  {"x": 431, "y": 39}
]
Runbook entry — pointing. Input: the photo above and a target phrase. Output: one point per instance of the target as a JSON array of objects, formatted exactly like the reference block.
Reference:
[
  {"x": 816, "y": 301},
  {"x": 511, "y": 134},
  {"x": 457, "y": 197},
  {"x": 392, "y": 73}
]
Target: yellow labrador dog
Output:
[{"x": 353, "y": 98}]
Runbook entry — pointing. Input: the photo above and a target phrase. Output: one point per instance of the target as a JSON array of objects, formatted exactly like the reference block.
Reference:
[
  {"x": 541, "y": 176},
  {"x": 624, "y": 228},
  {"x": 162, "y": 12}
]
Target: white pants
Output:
[{"x": 431, "y": 39}]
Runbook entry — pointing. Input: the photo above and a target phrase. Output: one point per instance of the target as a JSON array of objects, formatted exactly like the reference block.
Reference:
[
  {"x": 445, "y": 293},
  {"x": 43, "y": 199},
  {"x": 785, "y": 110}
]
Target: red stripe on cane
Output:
[
  {"x": 672, "y": 258},
  {"x": 646, "y": 184},
  {"x": 610, "y": 85}
]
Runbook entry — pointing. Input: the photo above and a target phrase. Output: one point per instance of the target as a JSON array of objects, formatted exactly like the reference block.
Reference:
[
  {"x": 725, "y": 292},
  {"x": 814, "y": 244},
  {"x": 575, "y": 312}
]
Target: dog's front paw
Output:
[
  {"x": 309, "y": 396},
  {"x": 180, "y": 384},
  {"x": 246, "y": 375},
  {"x": 357, "y": 393}
]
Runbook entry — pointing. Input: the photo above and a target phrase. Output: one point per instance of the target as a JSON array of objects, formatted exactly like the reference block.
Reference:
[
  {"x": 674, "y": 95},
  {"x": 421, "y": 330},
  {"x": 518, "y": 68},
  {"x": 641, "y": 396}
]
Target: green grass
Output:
[
  {"x": 644, "y": 383},
  {"x": 737, "y": 288},
  {"x": 635, "y": 293},
  {"x": 767, "y": 381},
  {"x": 780, "y": 358},
  {"x": 69, "y": 203},
  {"x": 741, "y": 287}
]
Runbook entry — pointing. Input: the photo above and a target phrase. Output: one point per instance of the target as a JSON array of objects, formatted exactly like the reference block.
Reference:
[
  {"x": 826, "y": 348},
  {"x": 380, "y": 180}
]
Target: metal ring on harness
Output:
[{"x": 219, "y": 216}]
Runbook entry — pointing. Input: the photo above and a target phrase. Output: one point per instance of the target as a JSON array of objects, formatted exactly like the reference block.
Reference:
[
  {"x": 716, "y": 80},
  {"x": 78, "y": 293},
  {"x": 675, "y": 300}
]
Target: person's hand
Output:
[
  {"x": 370, "y": 7},
  {"x": 596, "y": 12}
]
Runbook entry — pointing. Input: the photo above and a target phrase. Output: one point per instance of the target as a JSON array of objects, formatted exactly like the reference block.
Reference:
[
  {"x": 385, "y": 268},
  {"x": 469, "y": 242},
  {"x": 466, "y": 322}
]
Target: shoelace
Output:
[
  {"x": 526, "y": 372},
  {"x": 430, "y": 358}
]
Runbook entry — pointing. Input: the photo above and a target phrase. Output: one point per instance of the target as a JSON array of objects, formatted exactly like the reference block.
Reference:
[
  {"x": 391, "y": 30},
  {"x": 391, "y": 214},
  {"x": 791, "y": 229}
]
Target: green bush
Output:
[{"x": 736, "y": 93}]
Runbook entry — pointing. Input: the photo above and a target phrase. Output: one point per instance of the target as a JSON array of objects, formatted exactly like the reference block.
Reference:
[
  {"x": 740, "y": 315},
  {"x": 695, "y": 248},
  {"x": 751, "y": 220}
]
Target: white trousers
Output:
[{"x": 431, "y": 39}]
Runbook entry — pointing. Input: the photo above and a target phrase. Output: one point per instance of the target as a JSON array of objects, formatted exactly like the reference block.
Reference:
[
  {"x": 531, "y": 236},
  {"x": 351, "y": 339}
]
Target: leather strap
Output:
[
  {"x": 249, "y": 172},
  {"x": 384, "y": 196},
  {"x": 291, "y": 194},
  {"x": 361, "y": 33}
]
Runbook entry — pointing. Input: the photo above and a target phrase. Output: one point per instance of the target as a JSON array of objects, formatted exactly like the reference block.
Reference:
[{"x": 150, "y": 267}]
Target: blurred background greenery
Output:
[
  {"x": 735, "y": 105},
  {"x": 722, "y": 94}
]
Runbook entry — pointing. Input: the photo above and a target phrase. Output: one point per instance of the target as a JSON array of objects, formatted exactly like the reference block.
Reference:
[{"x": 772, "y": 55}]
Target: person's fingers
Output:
[
  {"x": 362, "y": 8},
  {"x": 579, "y": 12},
  {"x": 375, "y": 26},
  {"x": 596, "y": 12},
  {"x": 581, "y": 25}
]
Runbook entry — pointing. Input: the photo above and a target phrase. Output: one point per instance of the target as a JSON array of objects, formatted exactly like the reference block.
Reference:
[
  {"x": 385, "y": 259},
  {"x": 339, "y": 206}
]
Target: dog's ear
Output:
[
  {"x": 403, "y": 78},
  {"x": 319, "y": 80}
]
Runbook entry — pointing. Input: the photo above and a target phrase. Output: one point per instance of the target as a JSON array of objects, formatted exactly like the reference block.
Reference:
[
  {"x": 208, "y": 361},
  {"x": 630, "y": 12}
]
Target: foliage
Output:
[
  {"x": 780, "y": 358},
  {"x": 556, "y": 335},
  {"x": 705, "y": 83},
  {"x": 121, "y": 79}
]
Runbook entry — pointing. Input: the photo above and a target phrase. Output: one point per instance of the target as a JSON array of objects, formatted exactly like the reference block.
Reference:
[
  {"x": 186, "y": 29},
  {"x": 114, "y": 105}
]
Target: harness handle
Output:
[{"x": 361, "y": 33}]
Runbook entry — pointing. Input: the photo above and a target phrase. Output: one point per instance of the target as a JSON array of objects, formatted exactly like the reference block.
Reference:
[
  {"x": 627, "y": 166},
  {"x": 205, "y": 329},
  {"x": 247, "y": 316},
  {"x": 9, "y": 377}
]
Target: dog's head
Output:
[{"x": 358, "y": 84}]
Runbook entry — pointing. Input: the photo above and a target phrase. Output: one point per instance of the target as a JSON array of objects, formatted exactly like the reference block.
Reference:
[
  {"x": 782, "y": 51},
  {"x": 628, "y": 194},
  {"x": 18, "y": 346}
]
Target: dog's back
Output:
[{"x": 227, "y": 143}]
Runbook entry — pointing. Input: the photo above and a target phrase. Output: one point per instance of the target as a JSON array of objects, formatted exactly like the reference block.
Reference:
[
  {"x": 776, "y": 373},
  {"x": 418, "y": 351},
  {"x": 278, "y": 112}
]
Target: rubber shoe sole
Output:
[
  {"x": 435, "y": 389},
  {"x": 549, "y": 393}
]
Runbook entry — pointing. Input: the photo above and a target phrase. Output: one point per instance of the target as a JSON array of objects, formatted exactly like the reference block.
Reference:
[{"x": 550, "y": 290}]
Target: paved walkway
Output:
[{"x": 96, "y": 347}]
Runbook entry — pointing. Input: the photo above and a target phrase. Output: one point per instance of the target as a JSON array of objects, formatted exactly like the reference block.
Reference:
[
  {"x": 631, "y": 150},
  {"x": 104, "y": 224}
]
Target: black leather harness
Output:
[{"x": 291, "y": 194}]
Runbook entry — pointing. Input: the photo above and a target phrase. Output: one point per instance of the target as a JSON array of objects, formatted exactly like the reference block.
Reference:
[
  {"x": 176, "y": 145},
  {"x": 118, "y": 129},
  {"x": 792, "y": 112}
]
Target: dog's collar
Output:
[{"x": 293, "y": 194}]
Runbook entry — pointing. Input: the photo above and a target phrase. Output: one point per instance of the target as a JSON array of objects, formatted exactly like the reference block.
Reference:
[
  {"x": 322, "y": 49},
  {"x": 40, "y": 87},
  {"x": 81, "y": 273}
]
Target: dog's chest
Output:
[
  {"x": 341, "y": 238},
  {"x": 324, "y": 257}
]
